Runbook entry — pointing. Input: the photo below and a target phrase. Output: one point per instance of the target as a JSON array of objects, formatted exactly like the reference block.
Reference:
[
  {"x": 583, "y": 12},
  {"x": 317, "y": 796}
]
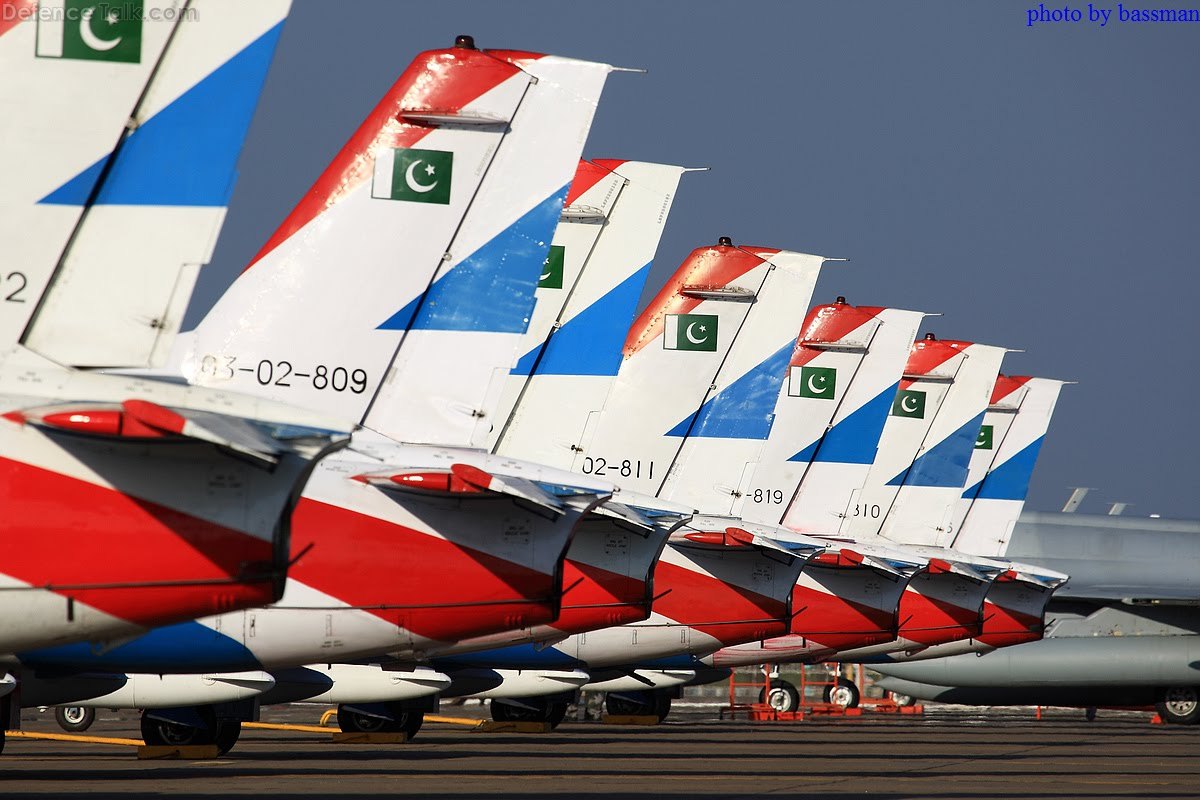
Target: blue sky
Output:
[{"x": 1038, "y": 186}]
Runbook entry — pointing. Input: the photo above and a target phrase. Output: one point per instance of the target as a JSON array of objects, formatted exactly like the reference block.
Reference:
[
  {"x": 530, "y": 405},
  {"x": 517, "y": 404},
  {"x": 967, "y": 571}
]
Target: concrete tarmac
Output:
[{"x": 948, "y": 753}]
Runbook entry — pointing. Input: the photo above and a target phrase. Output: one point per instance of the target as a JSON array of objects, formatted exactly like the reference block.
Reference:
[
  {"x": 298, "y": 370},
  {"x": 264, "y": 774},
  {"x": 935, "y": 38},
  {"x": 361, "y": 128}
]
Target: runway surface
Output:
[{"x": 949, "y": 753}]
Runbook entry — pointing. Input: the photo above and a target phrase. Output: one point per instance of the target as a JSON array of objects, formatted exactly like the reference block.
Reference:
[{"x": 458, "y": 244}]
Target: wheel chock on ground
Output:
[
  {"x": 491, "y": 726},
  {"x": 188, "y": 752},
  {"x": 630, "y": 719},
  {"x": 369, "y": 738}
]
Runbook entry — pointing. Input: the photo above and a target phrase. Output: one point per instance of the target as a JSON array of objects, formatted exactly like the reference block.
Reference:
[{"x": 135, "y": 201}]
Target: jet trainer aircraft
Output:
[
  {"x": 1122, "y": 632},
  {"x": 129, "y": 504},
  {"x": 395, "y": 545}
]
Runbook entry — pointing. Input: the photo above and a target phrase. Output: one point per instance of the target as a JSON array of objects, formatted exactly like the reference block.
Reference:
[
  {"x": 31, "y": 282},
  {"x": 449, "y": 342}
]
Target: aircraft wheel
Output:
[
  {"x": 631, "y": 704},
  {"x": 354, "y": 722},
  {"x": 2, "y": 737},
  {"x": 903, "y": 699},
  {"x": 1179, "y": 705},
  {"x": 844, "y": 693},
  {"x": 173, "y": 734},
  {"x": 556, "y": 713},
  {"x": 541, "y": 711},
  {"x": 411, "y": 723},
  {"x": 228, "y": 731},
  {"x": 781, "y": 696},
  {"x": 662, "y": 705},
  {"x": 74, "y": 719}
]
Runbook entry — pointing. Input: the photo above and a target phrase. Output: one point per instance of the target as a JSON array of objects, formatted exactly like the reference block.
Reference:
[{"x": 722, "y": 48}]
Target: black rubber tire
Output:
[
  {"x": 74, "y": 719},
  {"x": 173, "y": 734},
  {"x": 903, "y": 699},
  {"x": 555, "y": 714},
  {"x": 662, "y": 705},
  {"x": 228, "y": 731},
  {"x": 781, "y": 696},
  {"x": 510, "y": 712},
  {"x": 629, "y": 704},
  {"x": 410, "y": 723},
  {"x": 2, "y": 738},
  {"x": 844, "y": 693},
  {"x": 354, "y": 722},
  {"x": 1179, "y": 705}
]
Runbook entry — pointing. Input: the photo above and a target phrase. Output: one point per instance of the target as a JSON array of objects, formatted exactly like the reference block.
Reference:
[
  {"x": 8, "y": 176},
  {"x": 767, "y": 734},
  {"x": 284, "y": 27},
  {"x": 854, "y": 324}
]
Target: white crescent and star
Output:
[
  {"x": 692, "y": 338},
  {"x": 89, "y": 36},
  {"x": 411, "y": 179},
  {"x": 904, "y": 404},
  {"x": 812, "y": 387}
]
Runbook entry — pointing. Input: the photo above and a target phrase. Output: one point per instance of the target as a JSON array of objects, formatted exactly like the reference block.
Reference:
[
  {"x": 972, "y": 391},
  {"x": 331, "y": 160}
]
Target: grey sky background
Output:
[{"x": 1039, "y": 186}]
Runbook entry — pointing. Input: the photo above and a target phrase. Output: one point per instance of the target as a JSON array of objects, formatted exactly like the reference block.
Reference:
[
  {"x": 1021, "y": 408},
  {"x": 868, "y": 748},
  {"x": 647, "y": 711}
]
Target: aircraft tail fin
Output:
[
  {"x": 675, "y": 350},
  {"x": 927, "y": 446},
  {"x": 1002, "y": 463},
  {"x": 840, "y": 380},
  {"x": 718, "y": 459},
  {"x": 442, "y": 203},
  {"x": 587, "y": 296},
  {"x": 118, "y": 237}
]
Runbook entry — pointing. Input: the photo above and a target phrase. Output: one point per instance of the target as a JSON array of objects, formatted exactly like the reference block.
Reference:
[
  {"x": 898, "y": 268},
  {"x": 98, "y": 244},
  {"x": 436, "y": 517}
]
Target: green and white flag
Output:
[
  {"x": 984, "y": 440},
  {"x": 909, "y": 403},
  {"x": 90, "y": 30},
  {"x": 691, "y": 332},
  {"x": 819, "y": 383},
  {"x": 552, "y": 268},
  {"x": 420, "y": 176}
]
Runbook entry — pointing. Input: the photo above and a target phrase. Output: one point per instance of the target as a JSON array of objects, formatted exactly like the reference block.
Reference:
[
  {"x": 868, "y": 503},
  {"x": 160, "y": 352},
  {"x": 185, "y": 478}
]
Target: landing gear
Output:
[
  {"x": 354, "y": 722},
  {"x": 228, "y": 731},
  {"x": 530, "y": 709},
  {"x": 406, "y": 722},
  {"x": 781, "y": 696},
  {"x": 1179, "y": 705},
  {"x": 650, "y": 703},
  {"x": 903, "y": 699},
  {"x": 222, "y": 732},
  {"x": 844, "y": 693},
  {"x": 74, "y": 719},
  {"x": 164, "y": 733}
]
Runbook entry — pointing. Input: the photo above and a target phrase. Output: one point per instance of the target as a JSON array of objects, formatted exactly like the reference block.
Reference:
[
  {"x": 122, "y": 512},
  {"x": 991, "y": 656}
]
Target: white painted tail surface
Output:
[
  {"x": 444, "y": 385},
  {"x": 127, "y": 161},
  {"x": 588, "y": 295},
  {"x": 1001, "y": 466},
  {"x": 673, "y": 355},
  {"x": 71, "y": 113},
  {"x": 917, "y": 500},
  {"x": 723, "y": 440},
  {"x": 319, "y": 314},
  {"x": 841, "y": 379}
]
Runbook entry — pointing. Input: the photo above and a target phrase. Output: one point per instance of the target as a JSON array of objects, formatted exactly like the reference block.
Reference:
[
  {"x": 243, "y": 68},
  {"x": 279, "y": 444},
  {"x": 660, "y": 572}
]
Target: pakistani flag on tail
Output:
[
  {"x": 984, "y": 440},
  {"x": 90, "y": 30},
  {"x": 819, "y": 383},
  {"x": 405, "y": 173},
  {"x": 691, "y": 332},
  {"x": 552, "y": 268},
  {"x": 909, "y": 403}
]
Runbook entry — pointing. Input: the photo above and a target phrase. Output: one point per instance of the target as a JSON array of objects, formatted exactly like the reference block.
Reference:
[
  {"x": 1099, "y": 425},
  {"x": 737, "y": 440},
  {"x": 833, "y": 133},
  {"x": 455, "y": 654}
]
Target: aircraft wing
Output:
[{"x": 1166, "y": 594}]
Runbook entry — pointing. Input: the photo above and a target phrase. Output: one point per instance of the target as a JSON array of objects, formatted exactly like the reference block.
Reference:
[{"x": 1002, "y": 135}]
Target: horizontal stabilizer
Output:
[
  {"x": 465, "y": 479},
  {"x": 142, "y": 419}
]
